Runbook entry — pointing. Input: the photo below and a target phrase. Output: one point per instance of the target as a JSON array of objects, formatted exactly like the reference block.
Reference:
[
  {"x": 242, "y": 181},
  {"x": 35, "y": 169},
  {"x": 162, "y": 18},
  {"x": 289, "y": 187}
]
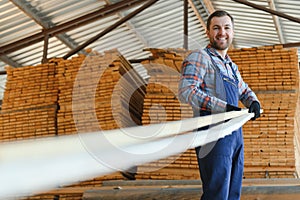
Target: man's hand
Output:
[
  {"x": 232, "y": 108},
  {"x": 255, "y": 108}
]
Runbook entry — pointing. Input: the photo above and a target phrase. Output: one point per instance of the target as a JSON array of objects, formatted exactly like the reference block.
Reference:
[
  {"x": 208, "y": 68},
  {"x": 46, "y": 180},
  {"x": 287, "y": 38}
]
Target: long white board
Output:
[{"x": 40, "y": 165}]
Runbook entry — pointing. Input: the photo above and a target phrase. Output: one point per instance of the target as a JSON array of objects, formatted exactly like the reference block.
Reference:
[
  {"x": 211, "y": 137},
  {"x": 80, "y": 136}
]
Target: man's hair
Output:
[{"x": 218, "y": 13}]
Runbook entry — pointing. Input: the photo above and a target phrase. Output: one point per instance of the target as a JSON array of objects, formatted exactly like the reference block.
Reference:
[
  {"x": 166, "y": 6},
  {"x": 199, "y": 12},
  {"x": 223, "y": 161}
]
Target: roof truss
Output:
[{"x": 50, "y": 30}]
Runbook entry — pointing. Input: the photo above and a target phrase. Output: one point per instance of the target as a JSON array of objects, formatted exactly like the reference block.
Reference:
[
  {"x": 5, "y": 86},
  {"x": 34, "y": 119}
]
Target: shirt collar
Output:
[{"x": 214, "y": 52}]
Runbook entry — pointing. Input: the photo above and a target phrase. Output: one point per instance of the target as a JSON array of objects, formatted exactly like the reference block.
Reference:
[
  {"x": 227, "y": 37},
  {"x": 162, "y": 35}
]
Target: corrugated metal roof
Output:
[{"x": 160, "y": 26}]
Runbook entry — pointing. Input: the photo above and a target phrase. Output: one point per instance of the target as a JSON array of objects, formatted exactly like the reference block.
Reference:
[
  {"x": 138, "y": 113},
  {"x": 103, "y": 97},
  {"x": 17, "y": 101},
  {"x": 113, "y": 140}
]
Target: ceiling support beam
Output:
[
  {"x": 110, "y": 28},
  {"x": 131, "y": 27},
  {"x": 276, "y": 22},
  {"x": 209, "y": 6},
  {"x": 45, "y": 51},
  {"x": 291, "y": 45},
  {"x": 273, "y": 12},
  {"x": 31, "y": 11},
  {"x": 68, "y": 26},
  {"x": 185, "y": 24},
  {"x": 199, "y": 17},
  {"x": 9, "y": 61}
]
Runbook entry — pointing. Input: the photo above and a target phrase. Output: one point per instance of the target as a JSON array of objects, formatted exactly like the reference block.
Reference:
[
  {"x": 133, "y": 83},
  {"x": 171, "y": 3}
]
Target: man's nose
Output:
[{"x": 222, "y": 31}]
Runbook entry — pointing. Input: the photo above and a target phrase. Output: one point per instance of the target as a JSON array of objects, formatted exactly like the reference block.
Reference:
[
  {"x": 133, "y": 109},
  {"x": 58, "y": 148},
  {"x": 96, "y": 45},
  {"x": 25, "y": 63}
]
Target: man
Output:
[{"x": 211, "y": 83}]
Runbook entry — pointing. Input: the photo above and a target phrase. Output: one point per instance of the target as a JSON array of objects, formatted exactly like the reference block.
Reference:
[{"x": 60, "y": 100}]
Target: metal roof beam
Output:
[
  {"x": 199, "y": 17},
  {"x": 31, "y": 11},
  {"x": 290, "y": 45},
  {"x": 68, "y": 26},
  {"x": 131, "y": 27},
  {"x": 208, "y": 5},
  {"x": 273, "y": 12},
  {"x": 185, "y": 24},
  {"x": 107, "y": 30},
  {"x": 276, "y": 22},
  {"x": 9, "y": 61}
]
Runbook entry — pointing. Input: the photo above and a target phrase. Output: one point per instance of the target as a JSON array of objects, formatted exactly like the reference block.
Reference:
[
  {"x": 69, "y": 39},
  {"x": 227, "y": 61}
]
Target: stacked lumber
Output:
[
  {"x": 29, "y": 103},
  {"x": 40, "y": 197},
  {"x": 178, "y": 167},
  {"x": 29, "y": 87},
  {"x": 170, "y": 57},
  {"x": 297, "y": 135},
  {"x": 268, "y": 68},
  {"x": 269, "y": 151},
  {"x": 83, "y": 94},
  {"x": 95, "y": 182},
  {"x": 272, "y": 72},
  {"x": 79, "y": 102},
  {"x": 161, "y": 104},
  {"x": 99, "y": 92},
  {"x": 75, "y": 196},
  {"x": 128, "y": 94},
  {"x": 27, "y": 124}
]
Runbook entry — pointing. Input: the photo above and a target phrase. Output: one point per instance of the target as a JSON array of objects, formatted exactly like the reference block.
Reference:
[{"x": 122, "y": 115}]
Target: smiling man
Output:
[{"x": 211, "y": 83}]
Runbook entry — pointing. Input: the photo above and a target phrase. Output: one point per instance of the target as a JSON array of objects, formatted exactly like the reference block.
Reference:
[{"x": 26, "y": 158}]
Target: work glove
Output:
[
  {"x": 232, "y": 108},
  {"x": 254, "y": 108}
]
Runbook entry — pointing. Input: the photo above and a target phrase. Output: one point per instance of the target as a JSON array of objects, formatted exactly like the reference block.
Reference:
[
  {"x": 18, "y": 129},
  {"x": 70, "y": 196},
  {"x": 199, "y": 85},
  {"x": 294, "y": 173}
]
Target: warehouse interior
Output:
[{"x": 44, "y": 45}]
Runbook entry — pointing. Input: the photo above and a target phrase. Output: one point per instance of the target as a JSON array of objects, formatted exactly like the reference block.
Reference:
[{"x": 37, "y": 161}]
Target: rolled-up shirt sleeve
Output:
[{"x": 196, "y": 85}]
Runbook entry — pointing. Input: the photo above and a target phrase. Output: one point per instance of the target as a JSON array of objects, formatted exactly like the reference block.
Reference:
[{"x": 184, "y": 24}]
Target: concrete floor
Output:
[{"x": 253, "y": 189}]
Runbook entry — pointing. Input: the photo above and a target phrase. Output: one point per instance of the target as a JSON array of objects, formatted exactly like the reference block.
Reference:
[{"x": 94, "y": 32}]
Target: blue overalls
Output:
[{"x": 221, "y": 167}]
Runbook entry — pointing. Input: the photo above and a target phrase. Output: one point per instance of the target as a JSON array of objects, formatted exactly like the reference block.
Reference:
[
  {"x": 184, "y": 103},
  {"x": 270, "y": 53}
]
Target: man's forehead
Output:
[{"x": 224, "y": 20}]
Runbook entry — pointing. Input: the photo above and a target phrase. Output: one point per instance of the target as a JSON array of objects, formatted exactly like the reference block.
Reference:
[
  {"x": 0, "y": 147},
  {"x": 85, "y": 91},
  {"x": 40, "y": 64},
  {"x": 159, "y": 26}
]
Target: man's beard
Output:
[
  {"x": 224, "y": 46},
  {"x": 216, "y": 46}
]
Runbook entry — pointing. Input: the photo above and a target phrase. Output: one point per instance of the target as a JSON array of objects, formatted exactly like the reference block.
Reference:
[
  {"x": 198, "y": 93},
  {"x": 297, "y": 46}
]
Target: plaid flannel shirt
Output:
[{"x": 197, "y": 82}]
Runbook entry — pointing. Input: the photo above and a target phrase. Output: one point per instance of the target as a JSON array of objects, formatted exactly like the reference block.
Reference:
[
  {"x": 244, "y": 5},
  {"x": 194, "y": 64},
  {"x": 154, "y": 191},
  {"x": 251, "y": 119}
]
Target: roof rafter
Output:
[
  {"x": 273, "y": 12},
  {"x": 196, "y": 11},
  {"x": 209, "y": 7},
  {"x": 9, "y": 61},
  {"x": 110, "y": 28},
  {"x": 31, "y": 11},
  {"x": 276, "y": 22},
  {"x": 68, "y": 26},
  {"x": 131, "y": 27}
]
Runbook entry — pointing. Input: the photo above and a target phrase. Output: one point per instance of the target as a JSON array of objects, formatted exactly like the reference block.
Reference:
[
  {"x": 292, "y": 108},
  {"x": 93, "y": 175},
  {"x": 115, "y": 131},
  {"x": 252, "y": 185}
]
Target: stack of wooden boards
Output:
[
  {"x": 161, "y": 104},
  {"x": 273, "y": 73},
  {"x": 102, "y": 92},
  {"x": 29, "y": 103},
  {"x": 83, "y": 94},
  {"x": 93, "y": 96}
]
